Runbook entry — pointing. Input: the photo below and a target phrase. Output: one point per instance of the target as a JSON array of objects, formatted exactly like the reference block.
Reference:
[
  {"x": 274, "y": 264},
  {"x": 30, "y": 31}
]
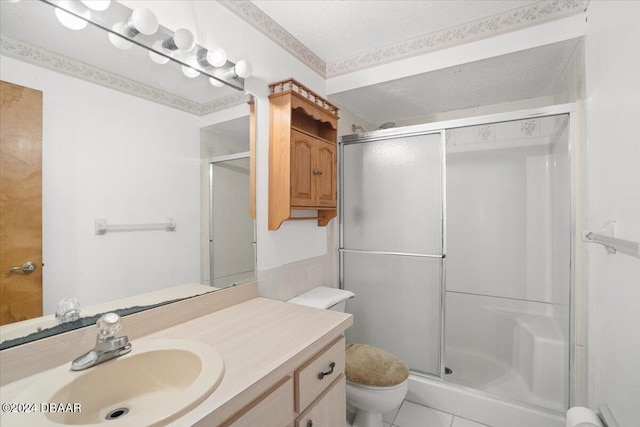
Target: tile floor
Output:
[{"x": 413, "y": 415}]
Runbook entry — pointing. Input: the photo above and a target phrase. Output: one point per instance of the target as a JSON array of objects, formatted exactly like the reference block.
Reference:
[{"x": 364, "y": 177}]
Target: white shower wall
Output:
[
  {"x": 233, "y": 234},
  {"x": 508, "y": 251},
  {"x": 505, "y": 204},
  {"x": 510, "y": 348}
]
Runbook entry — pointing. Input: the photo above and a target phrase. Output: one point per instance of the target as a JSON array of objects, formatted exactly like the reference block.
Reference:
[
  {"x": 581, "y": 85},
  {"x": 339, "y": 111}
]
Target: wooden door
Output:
[
  {"x": 301, "y": 169},
  {"x": 325, "y": 174},
  {"x": 20, "y": 202}
]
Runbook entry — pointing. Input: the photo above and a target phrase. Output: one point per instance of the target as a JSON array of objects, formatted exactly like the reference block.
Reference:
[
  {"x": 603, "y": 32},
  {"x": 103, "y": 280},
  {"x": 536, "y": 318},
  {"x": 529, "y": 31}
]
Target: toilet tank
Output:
[{"x": 324, "y": 298}]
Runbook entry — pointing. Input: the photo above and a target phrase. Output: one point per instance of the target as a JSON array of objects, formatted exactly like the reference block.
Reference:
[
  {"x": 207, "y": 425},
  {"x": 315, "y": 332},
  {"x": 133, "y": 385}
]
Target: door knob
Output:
[{"x": 27, "y": 267}]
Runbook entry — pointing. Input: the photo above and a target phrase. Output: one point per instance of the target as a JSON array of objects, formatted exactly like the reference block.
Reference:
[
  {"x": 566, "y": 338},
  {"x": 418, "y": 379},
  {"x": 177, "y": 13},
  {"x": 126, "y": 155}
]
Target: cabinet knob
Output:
[
  {"x": 310, "y": 423},
  {"x": 317, "y": 172}
]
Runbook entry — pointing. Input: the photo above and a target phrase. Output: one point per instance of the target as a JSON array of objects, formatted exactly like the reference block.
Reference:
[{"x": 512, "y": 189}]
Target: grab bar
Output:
[
  {"x": 612, "y": 244},
  {"x": 102, "y": 227}
]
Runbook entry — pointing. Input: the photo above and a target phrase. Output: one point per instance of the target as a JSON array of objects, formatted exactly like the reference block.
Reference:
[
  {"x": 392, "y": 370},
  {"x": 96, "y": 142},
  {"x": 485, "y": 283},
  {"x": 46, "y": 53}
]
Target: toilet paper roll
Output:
[{"x": 582, "y": 417}]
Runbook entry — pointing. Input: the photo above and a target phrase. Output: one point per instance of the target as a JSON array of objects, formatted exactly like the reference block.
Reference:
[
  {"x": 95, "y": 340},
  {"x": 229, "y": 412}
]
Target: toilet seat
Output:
[{"x": 372, "y": 367}]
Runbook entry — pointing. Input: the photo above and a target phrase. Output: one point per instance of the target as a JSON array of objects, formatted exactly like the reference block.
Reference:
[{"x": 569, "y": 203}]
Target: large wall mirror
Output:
[{"x": 122, "y": 144}]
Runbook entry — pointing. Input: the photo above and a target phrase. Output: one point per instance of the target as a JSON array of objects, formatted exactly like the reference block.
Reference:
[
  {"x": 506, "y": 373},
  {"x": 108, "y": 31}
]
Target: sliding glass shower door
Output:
[{"x": 392, "y": 243}]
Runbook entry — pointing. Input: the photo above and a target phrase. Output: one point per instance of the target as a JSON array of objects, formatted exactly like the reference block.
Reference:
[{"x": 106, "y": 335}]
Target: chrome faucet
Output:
[{"x": 108, "y": 346}]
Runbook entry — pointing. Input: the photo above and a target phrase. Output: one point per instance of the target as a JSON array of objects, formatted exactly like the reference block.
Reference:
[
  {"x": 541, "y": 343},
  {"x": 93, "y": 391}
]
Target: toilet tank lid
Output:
[{"x": 322, "y": 297}]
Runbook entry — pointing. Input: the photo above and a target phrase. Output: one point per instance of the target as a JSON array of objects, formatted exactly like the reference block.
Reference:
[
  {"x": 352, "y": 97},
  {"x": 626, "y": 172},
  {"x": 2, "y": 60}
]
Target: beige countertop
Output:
[{"x": 260, "y": 340}]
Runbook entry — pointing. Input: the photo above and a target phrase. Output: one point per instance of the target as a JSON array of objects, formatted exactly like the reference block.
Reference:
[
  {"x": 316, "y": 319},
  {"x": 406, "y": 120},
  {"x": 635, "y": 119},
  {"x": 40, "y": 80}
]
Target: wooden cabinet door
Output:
[
  {"x": 313, "y": 171},
  {"x": 273, "y": 408},
  {"x": 324, "y": 171},
  {"x": 329, "y": 410},
  {"x": 302, "y": 169}
]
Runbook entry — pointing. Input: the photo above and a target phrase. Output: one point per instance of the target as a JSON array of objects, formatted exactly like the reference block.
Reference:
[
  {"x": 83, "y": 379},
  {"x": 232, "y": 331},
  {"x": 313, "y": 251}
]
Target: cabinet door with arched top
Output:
[
  {"x": 302, "y": 169},
  {"x": 324, "y": 174}
]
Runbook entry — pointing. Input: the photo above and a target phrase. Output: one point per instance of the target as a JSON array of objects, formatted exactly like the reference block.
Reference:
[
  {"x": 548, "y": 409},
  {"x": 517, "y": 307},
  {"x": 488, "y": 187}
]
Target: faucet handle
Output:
[
  {"x": 68, "y": 310},
  {"x": 108, "y": 326}
]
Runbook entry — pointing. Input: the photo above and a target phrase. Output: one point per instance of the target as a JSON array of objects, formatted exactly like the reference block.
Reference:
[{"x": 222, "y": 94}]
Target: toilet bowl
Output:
[
  {"x": 371, "y": 402},
  {"x": 377, "y": 381}
]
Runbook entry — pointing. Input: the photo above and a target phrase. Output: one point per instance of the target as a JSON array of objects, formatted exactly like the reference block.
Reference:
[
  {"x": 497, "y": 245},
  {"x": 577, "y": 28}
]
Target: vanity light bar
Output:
[{"x": 118, "y": 20}]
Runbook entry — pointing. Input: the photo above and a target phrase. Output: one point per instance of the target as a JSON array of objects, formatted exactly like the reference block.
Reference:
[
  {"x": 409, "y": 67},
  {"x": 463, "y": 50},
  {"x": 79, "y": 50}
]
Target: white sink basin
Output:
[{"x": 157, "y": 382}]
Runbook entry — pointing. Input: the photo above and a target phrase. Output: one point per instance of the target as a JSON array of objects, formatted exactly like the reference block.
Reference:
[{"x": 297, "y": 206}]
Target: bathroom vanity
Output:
[
  {"x": 273, "y": 355},
  {"x": 283, "y": 363}
]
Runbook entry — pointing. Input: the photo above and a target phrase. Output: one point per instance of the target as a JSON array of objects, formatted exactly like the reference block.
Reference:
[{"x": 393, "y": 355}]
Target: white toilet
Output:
[{"x": 377, "y": 381}]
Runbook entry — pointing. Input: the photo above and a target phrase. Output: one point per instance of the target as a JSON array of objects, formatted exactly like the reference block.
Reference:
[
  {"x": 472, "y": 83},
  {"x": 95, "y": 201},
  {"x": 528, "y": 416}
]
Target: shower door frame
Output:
[{"x": 574, "y": 112}]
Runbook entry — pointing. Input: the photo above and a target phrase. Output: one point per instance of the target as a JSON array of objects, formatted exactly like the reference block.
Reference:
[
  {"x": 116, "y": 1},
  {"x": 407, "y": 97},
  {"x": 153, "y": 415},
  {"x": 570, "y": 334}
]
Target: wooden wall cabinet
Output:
[{"x": 302, "y": 154}]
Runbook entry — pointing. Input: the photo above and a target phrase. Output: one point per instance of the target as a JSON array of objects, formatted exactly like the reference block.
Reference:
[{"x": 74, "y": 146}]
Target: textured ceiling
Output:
[
  {"x": 522, "y": 75},
  {"x": 336, "y": 30}
]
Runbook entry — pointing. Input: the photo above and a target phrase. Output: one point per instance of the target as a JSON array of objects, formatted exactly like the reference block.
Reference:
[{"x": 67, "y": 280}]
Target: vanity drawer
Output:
[
  {"x": 316, "y": 375},
  {"x": 273, "y": 408}
]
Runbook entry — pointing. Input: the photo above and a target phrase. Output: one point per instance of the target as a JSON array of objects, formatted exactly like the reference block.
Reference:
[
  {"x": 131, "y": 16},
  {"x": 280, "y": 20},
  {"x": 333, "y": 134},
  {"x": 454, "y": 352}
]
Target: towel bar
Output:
[
  {"x": 612, "y": 244},
  {"x": 102, "y": 227}
]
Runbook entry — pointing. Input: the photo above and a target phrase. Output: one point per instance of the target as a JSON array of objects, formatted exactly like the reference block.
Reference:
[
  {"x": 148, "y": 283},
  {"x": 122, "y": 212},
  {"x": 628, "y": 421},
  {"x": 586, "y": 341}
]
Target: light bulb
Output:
[
  {"x": 156, "y": 57},
  {"x": 142, "y": 21},
  {"x": 190, "y": 72},
  {"x": 71, "y": 21},
  {"x": 117, "y": 41},
  {"x": 98, "y": 5},
  {"x": 182, "y": 39},
  {"x": 215, "y": 83},
  {"x": 243, "y": 69},
  {"x": 216, "y": 56}
]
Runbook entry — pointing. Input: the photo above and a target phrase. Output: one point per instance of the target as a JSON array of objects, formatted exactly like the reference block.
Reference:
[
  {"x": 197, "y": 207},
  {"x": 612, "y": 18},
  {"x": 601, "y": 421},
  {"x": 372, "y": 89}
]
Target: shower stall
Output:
[{"x": 456, "y": 238}]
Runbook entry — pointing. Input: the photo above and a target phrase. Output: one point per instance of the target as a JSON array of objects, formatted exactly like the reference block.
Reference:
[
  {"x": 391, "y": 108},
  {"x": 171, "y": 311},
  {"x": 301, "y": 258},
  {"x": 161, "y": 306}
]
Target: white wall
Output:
[
  {"x": 110, "y": 155},
  {"x": 613, "y": 192}
]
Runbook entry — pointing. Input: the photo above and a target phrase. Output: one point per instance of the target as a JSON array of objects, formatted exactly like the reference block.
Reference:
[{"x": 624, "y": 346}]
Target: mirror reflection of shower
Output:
[
  {"x": 386, "y": 125},
  {"x": 232, "y": 230},
  {"x": 228, "y": 239}
]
